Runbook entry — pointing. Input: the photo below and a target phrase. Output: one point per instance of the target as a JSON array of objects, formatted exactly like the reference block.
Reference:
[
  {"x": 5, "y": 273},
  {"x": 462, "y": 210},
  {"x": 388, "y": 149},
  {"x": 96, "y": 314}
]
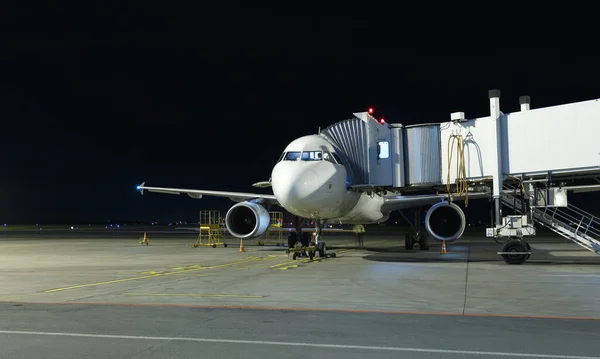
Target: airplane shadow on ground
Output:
[
  {"x": 455, "y": 254},
  {"x": 480, "y": 255},
  {"x": 428, "y": 259}
]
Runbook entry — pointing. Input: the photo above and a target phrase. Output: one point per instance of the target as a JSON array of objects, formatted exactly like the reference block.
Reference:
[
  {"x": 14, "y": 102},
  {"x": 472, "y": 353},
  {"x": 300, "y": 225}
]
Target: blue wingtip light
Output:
[{"x": 139, "y": 188}]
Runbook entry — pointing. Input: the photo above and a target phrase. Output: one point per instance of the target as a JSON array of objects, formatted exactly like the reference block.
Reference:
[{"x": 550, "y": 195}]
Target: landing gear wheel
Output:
[
  {"x": 305, "y": 240},
  {"x": 408, "y": 241},
  {"x": 322, "y": 248},
  {"x": 517, "y": 247},
  {"x": 424, "y": 242},
  {"x": 292, "y": 239}
]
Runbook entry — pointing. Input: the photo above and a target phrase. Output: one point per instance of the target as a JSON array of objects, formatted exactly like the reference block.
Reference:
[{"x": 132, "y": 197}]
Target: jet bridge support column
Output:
[{"x": 496, "y": 153}]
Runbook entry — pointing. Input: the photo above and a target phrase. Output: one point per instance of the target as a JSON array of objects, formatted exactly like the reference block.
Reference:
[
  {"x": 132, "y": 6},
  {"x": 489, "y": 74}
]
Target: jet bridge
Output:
[
  {"x": 527, "y": 160},
  {"x": 533, "y": 158}
]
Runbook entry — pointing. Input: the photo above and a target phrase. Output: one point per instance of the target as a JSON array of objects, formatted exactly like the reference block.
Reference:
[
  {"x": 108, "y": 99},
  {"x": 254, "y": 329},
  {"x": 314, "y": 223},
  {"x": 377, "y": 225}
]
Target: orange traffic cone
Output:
[
  {"x": 144, "y": 240},
  {"x": 443, "y": 247},
  {"x": 242, "y": 249}
]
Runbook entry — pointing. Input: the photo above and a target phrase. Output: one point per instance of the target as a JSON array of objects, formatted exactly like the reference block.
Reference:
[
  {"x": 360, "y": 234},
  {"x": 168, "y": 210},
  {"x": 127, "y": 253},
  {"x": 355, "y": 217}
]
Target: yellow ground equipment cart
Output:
[
  {"x": 210, "y": 230},
  {"x": 274, "y": 230}
]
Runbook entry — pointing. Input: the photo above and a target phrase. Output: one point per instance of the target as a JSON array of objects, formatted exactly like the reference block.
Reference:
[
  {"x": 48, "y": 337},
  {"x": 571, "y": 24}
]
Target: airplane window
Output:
[
  {"x": 292, "y": 156},
  {"x": 312, "y": 156}
]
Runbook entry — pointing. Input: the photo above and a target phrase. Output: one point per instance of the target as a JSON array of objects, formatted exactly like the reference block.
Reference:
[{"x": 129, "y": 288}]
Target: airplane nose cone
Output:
[
  {"x": 308, "y": 183},
  {"x": 298, "y": 186},
  {"x": 294, "y": 187}
]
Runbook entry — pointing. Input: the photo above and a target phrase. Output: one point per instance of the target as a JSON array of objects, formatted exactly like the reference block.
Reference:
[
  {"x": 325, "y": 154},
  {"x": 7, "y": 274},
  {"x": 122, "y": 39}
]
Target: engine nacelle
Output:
[
  {"x": 247, "y": 220},
  {"x": 445, "y": 221}
]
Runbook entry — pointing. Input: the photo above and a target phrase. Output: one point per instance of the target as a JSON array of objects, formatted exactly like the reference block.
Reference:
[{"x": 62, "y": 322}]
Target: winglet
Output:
[{"x": 141, "y": 188}]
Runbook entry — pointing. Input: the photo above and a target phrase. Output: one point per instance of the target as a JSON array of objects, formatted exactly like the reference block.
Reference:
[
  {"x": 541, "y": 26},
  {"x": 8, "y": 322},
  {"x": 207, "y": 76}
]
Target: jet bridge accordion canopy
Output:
[{"x": 387, "y": 155}]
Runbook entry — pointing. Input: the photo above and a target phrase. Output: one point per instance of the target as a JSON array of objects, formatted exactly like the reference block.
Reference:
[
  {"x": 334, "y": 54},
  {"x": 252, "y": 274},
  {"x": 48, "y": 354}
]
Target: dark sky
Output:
[{"x": 95, "y": 101}]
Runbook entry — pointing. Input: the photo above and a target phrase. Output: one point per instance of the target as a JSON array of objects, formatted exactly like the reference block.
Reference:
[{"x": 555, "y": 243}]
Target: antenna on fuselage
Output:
[{"x": 319, "y": 132}]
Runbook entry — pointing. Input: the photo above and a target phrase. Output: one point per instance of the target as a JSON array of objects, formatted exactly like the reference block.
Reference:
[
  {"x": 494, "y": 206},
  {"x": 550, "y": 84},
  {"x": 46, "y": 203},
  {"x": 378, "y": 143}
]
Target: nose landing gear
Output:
[{"x": 303, "y": 244}]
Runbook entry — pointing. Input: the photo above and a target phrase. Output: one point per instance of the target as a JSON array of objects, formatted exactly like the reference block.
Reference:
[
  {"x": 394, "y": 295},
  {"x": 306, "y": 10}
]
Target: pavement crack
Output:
[
  {"x": 148, "y": 349},
  {"x": 466, "y": 280}
]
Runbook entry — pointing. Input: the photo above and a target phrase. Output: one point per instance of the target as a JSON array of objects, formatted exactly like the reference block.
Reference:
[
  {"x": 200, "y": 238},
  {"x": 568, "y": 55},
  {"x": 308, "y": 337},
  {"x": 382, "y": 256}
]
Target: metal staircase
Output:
[{"x": 570, "y": 222}]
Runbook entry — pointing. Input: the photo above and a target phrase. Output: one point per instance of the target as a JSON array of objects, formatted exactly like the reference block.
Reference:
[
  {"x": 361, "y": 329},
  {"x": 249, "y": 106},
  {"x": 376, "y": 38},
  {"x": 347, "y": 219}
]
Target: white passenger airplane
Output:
[{"x": 310, "y": 180}]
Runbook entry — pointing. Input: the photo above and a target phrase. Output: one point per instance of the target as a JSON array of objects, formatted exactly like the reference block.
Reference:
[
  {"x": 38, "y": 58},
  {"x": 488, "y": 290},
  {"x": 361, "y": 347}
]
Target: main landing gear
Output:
[
  {"x": 417, "y": 235},
  {"x": 516, "y": 251},
  {"x": 302, "y": 244}
]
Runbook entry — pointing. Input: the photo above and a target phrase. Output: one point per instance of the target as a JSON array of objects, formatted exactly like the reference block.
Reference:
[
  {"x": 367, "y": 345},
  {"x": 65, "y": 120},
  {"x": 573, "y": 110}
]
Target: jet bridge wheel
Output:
[{"x": 515, "y": 251}]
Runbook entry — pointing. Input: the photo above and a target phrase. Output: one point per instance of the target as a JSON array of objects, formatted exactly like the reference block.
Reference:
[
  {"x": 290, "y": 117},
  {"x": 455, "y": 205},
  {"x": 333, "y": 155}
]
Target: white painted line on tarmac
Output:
[
  {"x": 298, "y": 344},
  {"x": 571, "y": 275}
]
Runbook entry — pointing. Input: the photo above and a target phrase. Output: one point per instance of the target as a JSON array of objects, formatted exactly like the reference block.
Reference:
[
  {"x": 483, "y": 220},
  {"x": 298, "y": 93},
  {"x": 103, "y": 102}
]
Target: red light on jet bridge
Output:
[
  {"x": 370, "y": 110},
  {"x": 382, "y": 120}
]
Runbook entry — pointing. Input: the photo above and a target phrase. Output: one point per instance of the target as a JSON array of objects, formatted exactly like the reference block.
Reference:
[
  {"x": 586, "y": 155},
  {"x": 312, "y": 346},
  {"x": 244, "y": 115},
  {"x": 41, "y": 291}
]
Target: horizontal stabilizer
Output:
[{"x": 262, "y": 184}]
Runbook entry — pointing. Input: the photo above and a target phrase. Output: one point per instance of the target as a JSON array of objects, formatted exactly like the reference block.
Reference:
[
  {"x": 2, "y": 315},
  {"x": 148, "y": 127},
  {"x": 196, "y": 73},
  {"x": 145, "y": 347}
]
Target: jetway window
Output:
[
  {"x": 312, "y": 156},
  {"x": 383, "y": 149},
  {"x": 292, "y": 156}
]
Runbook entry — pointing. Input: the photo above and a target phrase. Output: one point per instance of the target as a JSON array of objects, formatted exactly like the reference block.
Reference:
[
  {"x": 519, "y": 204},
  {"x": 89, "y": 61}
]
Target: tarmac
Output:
[{"x": 101, "y": 294}]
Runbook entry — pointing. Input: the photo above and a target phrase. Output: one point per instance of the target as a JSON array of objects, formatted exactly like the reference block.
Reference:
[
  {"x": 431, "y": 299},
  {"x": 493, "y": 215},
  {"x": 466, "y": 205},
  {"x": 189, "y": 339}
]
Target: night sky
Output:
[{"x": 93, "y": 102}]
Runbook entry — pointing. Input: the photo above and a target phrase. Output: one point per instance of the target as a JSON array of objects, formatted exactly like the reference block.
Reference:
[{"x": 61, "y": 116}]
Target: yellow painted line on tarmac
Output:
[
  {"x": 305, "y": 260},
  {"x": 193, "y": 295},
  {"x": 292, "y": 266},
  {"x": 156, "y": 274},
  {"x": 11, "y": 297}
]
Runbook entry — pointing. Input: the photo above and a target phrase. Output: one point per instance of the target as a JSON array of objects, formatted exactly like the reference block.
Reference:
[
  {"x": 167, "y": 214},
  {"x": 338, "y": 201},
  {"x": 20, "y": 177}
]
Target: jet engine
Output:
[
  {"x": 247, "y": 220},
  {"x": 445, "y": 221}
]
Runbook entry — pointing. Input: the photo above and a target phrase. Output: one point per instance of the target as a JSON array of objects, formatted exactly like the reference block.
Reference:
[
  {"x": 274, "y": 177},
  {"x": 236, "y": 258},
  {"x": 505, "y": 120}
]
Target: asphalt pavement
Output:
[{"x": 146, "y": 331}]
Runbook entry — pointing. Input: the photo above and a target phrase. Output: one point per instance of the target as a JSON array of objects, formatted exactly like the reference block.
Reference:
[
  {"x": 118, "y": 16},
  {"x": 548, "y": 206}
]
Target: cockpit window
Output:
[
  {"x": 328, "y": 157},
  {"x": 312, "y": 156},
  {"x": 281, "y": 157},
  {"x": 292, "y": 156},
  {"x": 337, "y": 158}
]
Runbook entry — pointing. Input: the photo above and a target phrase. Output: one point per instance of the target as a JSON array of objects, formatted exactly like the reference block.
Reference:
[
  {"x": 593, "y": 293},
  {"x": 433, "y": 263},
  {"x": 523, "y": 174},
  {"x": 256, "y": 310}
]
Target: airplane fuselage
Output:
[{"x": 310, "y": 181}]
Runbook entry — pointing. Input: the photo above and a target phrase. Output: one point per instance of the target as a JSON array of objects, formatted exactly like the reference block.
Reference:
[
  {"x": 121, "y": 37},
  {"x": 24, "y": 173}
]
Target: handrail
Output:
[{"x": 583, "y": 231}]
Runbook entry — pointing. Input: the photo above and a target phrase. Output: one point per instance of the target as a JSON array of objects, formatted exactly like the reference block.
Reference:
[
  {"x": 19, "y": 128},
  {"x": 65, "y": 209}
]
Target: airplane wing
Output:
[
  {"x": 278, "y": 229},
  {"x": 197, "y": 193},
  {"x": 392, "y": 203}
]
